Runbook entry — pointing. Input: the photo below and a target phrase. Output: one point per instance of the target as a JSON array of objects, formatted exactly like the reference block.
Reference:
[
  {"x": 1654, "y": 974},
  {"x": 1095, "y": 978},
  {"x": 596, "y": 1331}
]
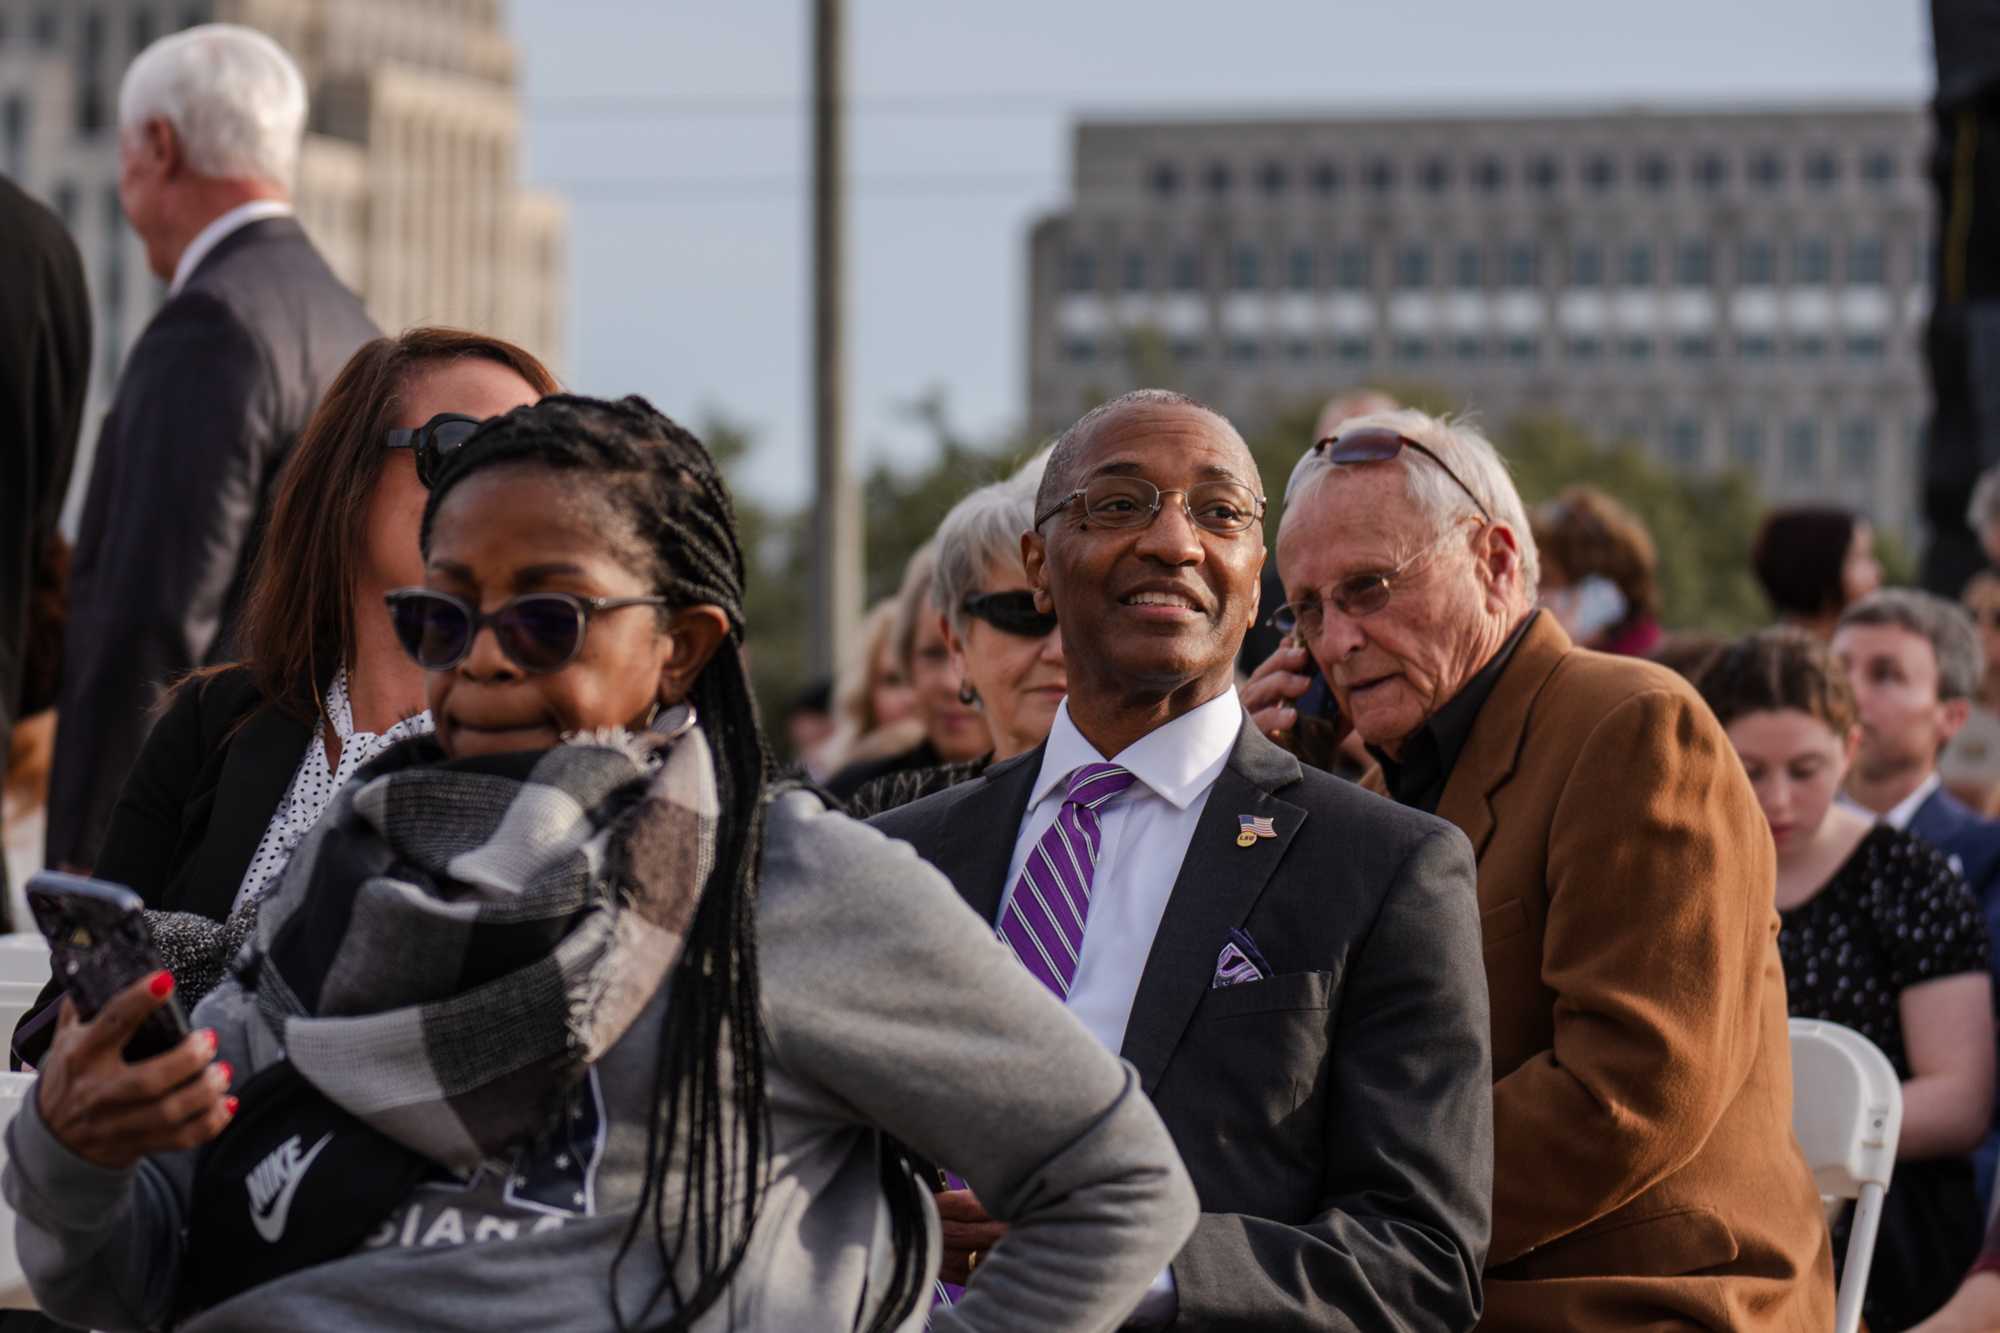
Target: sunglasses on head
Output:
[
  {"x": 1378, "y": 444},
  {"x": 1011, "y": 613},
  {"x": 539, "y": 632},
  {"x": 436, "y": 440}
]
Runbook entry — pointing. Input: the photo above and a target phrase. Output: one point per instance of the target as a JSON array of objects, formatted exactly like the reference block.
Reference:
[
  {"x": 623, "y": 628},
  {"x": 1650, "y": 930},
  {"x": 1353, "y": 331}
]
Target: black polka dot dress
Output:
[
  {"x": 1894, "y": 916},
  {"x": 314, "y": 785}
]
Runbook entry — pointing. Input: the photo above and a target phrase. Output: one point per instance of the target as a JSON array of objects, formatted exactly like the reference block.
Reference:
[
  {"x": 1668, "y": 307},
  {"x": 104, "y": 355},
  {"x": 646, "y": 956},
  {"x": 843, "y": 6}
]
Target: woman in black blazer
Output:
[{"x": 245, "y": 757}]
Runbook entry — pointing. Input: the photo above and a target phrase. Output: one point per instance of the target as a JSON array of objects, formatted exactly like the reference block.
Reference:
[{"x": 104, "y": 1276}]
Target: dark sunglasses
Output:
[
  {"x": 436, "y": 440},
  {"x": 1379, "y": 444},
  {"x": 1226, "y": 507},
  {"x": 1011, "y": 613},
  {"x": 539, "y": 632}
]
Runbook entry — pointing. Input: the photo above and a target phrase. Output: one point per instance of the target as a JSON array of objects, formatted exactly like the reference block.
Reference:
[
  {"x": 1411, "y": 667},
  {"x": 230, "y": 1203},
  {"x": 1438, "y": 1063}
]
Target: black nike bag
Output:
[{"x": 293, "y": 1181}]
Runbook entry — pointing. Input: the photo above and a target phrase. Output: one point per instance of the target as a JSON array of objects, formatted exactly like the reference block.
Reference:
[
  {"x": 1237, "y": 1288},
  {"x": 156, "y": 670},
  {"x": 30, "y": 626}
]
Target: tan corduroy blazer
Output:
[{"x": 1645, "y": 1171}]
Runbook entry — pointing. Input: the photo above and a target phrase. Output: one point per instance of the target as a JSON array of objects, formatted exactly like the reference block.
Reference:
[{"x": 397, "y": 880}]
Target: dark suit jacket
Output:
[
  {"x": 1334, "y": 1116},
  {"x": 1645, "y": 1171},
  {"x": 1973, "y": 845},
  {"x": 211, "y": 399},
  {"x": 44, "y": 365},
  {"x": 195, "y": 807},
  {"x": 1971, "y": 842}
]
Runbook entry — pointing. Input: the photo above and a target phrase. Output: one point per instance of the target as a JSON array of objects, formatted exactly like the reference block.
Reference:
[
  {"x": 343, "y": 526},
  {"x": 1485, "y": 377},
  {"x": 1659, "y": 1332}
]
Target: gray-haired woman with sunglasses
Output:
[{"x": 1008, "y": 653}]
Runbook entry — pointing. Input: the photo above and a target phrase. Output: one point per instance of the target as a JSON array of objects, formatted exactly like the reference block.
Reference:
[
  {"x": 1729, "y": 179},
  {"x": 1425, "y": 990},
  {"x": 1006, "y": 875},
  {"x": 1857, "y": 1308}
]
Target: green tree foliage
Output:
[{"x": 1702, "y": 525}]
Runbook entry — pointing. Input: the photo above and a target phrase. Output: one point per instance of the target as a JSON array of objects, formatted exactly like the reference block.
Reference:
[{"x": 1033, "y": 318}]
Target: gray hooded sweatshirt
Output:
[{"x": 887, "y": 1004}]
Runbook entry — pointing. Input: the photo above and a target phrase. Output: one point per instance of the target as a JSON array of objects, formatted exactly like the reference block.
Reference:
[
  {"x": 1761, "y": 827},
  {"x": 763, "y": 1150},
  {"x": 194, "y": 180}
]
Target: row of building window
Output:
[
  {"x": 1520, "y": 349},
  {"x": 1804, "y": 262},
  {"x": 1769, "y": 168},
  {"x": 44, "y": 27}
]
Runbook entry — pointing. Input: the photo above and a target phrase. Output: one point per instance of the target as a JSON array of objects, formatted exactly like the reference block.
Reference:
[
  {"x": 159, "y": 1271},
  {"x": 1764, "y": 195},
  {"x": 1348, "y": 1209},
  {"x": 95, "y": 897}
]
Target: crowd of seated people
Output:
[{"x": 1201, "y": 903}]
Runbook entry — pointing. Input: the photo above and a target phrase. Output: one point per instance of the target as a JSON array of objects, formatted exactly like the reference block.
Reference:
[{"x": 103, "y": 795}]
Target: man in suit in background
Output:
[
  {"x": 1645, "y": 1174},
  {"x": 44, "y": 365},
  {"x": 210, "y": 400},
  {"x": 1915, "y": 663},
  {"x": 1289, "y": 962}
]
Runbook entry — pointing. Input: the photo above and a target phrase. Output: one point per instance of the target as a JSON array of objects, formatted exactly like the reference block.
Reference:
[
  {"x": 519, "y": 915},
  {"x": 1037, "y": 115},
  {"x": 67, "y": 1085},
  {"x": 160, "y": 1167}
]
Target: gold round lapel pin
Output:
[{"x": 1246, "y": 839}]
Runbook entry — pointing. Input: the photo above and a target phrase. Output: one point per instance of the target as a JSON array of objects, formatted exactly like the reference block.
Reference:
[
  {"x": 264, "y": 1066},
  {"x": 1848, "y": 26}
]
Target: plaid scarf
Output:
[{"x": 457, "y": 941}]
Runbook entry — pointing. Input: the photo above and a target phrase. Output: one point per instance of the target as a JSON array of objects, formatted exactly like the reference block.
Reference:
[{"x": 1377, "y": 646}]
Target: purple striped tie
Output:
[{"x": 1044, "y": 919}]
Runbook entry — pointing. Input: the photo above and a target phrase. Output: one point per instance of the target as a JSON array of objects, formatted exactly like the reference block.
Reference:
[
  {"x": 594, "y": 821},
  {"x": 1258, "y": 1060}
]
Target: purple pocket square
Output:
[{"x": 1239, "y": 961}]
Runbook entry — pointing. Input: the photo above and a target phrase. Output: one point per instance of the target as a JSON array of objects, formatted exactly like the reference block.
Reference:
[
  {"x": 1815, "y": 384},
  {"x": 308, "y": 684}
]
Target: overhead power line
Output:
[
  {"x": 915, "y": 104},
  {"x": 724, "y": 189}
]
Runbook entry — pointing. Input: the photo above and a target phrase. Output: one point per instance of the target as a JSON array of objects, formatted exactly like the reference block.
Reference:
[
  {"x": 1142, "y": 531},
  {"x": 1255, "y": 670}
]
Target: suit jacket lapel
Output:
[
  {"x": 976, "y": 849},
  {"x": 256, "y": 772},
  {"x": 1494, "y": 746},
  {"x": 1218, "y": 884}
]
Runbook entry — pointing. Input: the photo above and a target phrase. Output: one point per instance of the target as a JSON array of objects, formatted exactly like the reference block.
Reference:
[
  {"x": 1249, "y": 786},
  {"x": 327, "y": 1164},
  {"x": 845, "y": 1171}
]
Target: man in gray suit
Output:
[
  {"x": 211, "y": 398},
  {"x": 1291, "y": 964}
]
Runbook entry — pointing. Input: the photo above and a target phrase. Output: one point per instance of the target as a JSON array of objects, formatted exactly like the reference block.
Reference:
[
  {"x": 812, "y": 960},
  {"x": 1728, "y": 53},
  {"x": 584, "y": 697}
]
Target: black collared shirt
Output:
[{"x": 1419, "y": 778}]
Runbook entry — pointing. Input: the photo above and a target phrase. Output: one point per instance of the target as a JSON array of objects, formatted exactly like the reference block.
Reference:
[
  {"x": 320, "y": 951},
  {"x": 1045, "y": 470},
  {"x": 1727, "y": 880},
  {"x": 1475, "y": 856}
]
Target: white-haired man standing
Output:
[
  {"x": 1645, "y": 1173},
  {"x": 255, "y": 326}
]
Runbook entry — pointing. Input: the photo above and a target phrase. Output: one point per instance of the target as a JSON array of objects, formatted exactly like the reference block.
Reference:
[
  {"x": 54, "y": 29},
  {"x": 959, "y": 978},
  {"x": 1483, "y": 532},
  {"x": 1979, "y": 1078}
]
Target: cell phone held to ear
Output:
[{"x": 98, "y": 946}]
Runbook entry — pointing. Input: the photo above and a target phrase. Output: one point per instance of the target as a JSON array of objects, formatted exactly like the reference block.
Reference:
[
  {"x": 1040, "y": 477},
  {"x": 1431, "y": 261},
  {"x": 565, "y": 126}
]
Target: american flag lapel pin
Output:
[{"x": 1253, "y": 827}]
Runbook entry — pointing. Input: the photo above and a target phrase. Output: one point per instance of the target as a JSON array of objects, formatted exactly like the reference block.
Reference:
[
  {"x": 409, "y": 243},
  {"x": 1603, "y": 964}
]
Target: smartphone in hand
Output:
[{"x": 98, "y": 946}]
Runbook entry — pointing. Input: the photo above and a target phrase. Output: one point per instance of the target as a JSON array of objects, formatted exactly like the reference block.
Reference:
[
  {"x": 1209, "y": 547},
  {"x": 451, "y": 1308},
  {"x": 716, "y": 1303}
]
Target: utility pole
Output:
[{"x": 837, "y": 535}]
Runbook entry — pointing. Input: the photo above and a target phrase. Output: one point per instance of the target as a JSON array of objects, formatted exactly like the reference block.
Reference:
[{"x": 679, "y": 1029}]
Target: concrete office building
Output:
[
  {"x": 409, "y": 179},
  {"x": 1738, "y": 289}
]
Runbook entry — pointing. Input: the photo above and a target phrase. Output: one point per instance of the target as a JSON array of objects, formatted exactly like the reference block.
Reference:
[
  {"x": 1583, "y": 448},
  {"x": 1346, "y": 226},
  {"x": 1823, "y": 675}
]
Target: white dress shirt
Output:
[
  {"x": 219, "y": 230},
  {"x": 1899, "y": 815},
  {"x": 1145, "y": 836}
]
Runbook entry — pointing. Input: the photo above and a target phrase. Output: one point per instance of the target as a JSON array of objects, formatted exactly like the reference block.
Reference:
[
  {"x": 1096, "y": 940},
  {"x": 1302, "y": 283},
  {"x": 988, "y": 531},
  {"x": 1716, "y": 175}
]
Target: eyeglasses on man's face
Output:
[
  {"x": 1225, "y": 507},
  {"x": 1356, "y": 597}
]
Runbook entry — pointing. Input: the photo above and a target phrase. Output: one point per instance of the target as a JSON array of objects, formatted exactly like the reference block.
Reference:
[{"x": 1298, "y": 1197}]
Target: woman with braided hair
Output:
[{"x": 564, "y": 1018}]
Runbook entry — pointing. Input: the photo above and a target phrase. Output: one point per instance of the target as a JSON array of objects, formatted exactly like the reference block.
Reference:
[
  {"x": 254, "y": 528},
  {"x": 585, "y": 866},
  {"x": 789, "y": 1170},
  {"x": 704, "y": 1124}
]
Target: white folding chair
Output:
[
  {"x": 24, "y": 958},
  {"x": 14, "y": 1293},
  {"x": 1847, "y": 1110},
  {"x": 24, "y": 968}
]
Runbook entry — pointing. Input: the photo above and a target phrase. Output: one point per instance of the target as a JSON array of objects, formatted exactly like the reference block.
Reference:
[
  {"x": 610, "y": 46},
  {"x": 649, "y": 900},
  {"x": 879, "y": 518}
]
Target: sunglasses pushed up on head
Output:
[
  {"x": 1374, "y": 444},
  {"x": 434, "y": 441}
]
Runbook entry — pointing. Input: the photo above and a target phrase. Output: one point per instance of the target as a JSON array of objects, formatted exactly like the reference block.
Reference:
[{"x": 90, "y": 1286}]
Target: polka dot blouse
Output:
[
  {"x": 314, "y": 784},
  {"x": 1895, "y": 915}
]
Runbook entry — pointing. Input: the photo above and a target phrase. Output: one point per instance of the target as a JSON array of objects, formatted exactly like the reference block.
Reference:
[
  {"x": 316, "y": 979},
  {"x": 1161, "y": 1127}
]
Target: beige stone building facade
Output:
[{"x": 409, "y": 180}]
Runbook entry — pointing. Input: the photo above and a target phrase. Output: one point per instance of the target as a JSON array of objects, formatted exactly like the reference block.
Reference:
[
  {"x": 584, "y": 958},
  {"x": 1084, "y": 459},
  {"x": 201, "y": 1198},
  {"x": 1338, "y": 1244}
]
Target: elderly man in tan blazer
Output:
[{"x": 1645, "y": 1170}]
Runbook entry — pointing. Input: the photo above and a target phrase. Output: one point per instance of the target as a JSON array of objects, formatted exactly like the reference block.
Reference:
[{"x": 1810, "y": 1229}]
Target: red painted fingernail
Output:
[
  {"x": 228, "y": 1074},
  {"x": 161, "y": 984},
  {"x": 208, "y": 1039},
  {"x": 229, "y": 1107}
]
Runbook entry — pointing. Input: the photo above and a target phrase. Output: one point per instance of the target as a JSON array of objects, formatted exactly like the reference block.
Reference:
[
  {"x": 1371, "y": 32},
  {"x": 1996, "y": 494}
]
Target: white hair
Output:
[
  {"x": 1471, "y": 458},
  {"x": 982, "y": 530},
  {"x": 234, "y": 98}
]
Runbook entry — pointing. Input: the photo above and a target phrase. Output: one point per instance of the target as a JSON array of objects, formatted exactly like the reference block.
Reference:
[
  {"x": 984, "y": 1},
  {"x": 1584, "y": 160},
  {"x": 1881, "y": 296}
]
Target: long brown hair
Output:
[{"x": 297, "y": 626}]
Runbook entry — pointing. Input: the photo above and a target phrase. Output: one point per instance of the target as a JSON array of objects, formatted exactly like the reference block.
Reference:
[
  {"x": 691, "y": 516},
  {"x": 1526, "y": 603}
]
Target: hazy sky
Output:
[{"x": 689, "y": 241}]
